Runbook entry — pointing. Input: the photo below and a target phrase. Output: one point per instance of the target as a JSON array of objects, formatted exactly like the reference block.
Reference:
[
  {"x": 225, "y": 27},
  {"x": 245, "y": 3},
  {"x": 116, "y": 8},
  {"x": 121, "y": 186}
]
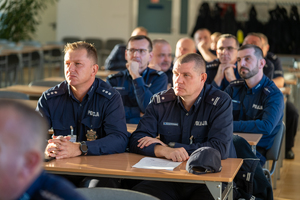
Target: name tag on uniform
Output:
[
  {"x": 91, "y": 135},
  {"x": 170, "y": 124}
]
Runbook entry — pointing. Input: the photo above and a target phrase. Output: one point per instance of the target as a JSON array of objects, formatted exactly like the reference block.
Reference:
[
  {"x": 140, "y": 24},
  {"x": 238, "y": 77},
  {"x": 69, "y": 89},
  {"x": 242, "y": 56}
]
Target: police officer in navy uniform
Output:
[
  {"x": 202, "y": 38},
  {"x": 162, "y": 58},
  {"x": 22, "y": 140},
  {"x": 137, "y": 83},
  {"x": 84, "y": 106},
  {"x": 255, "y": 39},
  {"x": 257, "y": 102},
  {"x": 190, "y": 115},
  {"x": 223, "y": 70},
  {"x": 292, "y": 113}
]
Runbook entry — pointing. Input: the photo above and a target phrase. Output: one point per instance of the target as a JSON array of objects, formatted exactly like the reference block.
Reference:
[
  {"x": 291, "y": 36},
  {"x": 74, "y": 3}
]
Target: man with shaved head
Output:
[
  {"x": 184, "y": 46},
  {"x": 22, "y": 142}
]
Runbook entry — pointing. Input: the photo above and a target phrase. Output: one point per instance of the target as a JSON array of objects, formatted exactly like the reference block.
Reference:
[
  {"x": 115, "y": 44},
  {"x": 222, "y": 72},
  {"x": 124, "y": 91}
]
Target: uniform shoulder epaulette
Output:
[
  {"x": 57, "y": 90},
  {"x": 164, "y": 96},
  {"x": 115, "y": 75},
  {"x": 214, "y": 63},
  {"x": 236, "y": 83},
  {"x": 268, "y": 90},
  {"x": 215, "y": 98},
  {"x": 53, "y": 92},
  {"x": 106, "y": 92}
]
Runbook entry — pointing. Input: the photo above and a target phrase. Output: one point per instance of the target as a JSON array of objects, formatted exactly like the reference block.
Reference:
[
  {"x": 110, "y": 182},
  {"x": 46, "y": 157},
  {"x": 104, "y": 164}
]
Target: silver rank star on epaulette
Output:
[
  {"x": 51, "y": 93},
  {"x": 107, "y": 92}
]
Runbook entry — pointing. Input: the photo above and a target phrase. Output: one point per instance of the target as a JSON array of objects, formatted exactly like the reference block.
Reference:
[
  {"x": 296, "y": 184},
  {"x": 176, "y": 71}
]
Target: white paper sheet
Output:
[{"x": 156, "y": 163}]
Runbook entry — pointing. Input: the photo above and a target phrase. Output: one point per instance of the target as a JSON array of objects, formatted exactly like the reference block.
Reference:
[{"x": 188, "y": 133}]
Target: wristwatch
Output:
[{"x": 83, "y": 148}]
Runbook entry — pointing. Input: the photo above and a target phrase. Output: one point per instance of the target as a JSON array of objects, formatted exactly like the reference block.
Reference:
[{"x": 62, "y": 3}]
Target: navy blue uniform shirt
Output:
[
  {"x": 257, "y": 110},
  {"x": 169, "y": 74},
  {"x": 49, "y": 187},
  {"x": 136, "y": 94},
  {"x": 101, "y": 110},
  {"x": 208, "y": 123},
  {"x": 211, "y": 71},
  {"x": 278, "y": 71}
]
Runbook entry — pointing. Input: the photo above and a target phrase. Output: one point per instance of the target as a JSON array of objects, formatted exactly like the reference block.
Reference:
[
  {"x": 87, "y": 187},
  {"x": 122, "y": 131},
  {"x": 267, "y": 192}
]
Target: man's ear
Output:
[
  {"x": 203, "y": 77},
  {"x": 95, "y": 69},
  {"x": 262, "y": 63},
  {"x": 150, "y": 56},
  {"x": 32, "y": 161}
]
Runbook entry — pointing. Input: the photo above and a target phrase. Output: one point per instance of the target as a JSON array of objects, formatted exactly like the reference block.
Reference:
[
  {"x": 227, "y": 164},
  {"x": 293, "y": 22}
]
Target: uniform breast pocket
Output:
[
  {"x": 92, "y": 127},
  {"x": 199, "y": 134},
  {"x": 169, "y": 133},
  {"x": 61, "y": 129}
]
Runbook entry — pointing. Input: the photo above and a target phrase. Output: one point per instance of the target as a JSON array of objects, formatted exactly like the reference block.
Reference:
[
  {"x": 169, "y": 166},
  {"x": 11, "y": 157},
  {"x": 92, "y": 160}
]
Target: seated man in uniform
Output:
[
  {"x": 222, "y": 71},
  {"x": 188, "y": 116},
  {"x": 162, "y": 58},
  {"x": 202, "y": 38},
  {"x": 22, "y": 142},
  {"x": 255, "y": 39},
  {"x": 292, "y": 114},
  {"x": 85, "y": 110},
  {"x": 257, "y": 102},
  {"x": 184, "y": 46},
  {"x": 137, "y": 83}
]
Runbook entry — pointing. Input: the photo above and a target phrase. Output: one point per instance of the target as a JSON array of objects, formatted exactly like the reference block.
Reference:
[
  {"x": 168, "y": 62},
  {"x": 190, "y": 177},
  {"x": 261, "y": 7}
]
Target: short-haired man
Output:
[
  {"x": 292, "y": 114},
  {"x": 203, "y": 41},
  {"x": 22, "y": 142},
  {"x": 138, "y": 83},
  {"x": 83, "y": 109},
  {"x": 184, "y": 46},
  {"x": 257, "y": 102},
  {"x": 222, "y": 71},
  {"x": 255, "y": 39},
  {"x": 188, "y": 116},
  {"x": 162, "y": 58},
  {"x": 139, "y": 31}
]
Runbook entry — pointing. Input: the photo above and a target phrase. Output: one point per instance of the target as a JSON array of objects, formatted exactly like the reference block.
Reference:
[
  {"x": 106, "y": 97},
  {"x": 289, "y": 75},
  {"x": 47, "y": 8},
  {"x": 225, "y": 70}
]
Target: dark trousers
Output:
[
  {"x": 174, "y": 191},
  {"x": 292, "y": 117}
]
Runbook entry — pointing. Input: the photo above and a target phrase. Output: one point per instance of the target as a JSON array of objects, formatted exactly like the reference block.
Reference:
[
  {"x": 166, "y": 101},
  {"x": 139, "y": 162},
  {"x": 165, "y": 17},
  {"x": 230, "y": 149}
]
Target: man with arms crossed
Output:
[
  {"x": 22, "y": 142},
  {"x": 85, "y": 106},
  {"x": 257, "y": 102},
  {"x": 188, "y": 116}
]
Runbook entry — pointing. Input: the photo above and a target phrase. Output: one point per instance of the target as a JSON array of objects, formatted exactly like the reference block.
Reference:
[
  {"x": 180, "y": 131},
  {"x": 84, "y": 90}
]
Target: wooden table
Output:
[
  {"x": 285, "y": 90},
  {"x": 120, "y": 166},
  {"x": 131, "y": 127},
  {"x": 252, "y": 139},
  {"x": 34, "y": 91}
]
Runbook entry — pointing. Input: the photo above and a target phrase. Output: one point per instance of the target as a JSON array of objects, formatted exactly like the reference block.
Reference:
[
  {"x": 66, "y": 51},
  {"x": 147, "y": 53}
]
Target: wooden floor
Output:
[{"x": 288, "y": 187}]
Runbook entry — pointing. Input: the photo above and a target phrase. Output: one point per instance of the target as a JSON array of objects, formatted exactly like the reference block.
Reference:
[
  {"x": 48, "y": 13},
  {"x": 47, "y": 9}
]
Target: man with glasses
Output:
[
  {"x": 138, "y": 83},
  {"x": 223, "y": 70}
]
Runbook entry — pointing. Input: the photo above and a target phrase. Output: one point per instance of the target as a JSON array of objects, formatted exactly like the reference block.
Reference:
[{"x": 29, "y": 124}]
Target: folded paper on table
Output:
[{"x": 156, "y": 163}]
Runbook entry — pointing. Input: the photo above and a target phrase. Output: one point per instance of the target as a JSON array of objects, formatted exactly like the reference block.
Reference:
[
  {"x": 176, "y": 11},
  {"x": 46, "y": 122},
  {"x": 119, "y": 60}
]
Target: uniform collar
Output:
[
  {"x": 89, "y": 93},
  {"x": 33, "y": 188},
  {"x": 256, "y": 88},
  {"x": 196, "y": 103}
]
